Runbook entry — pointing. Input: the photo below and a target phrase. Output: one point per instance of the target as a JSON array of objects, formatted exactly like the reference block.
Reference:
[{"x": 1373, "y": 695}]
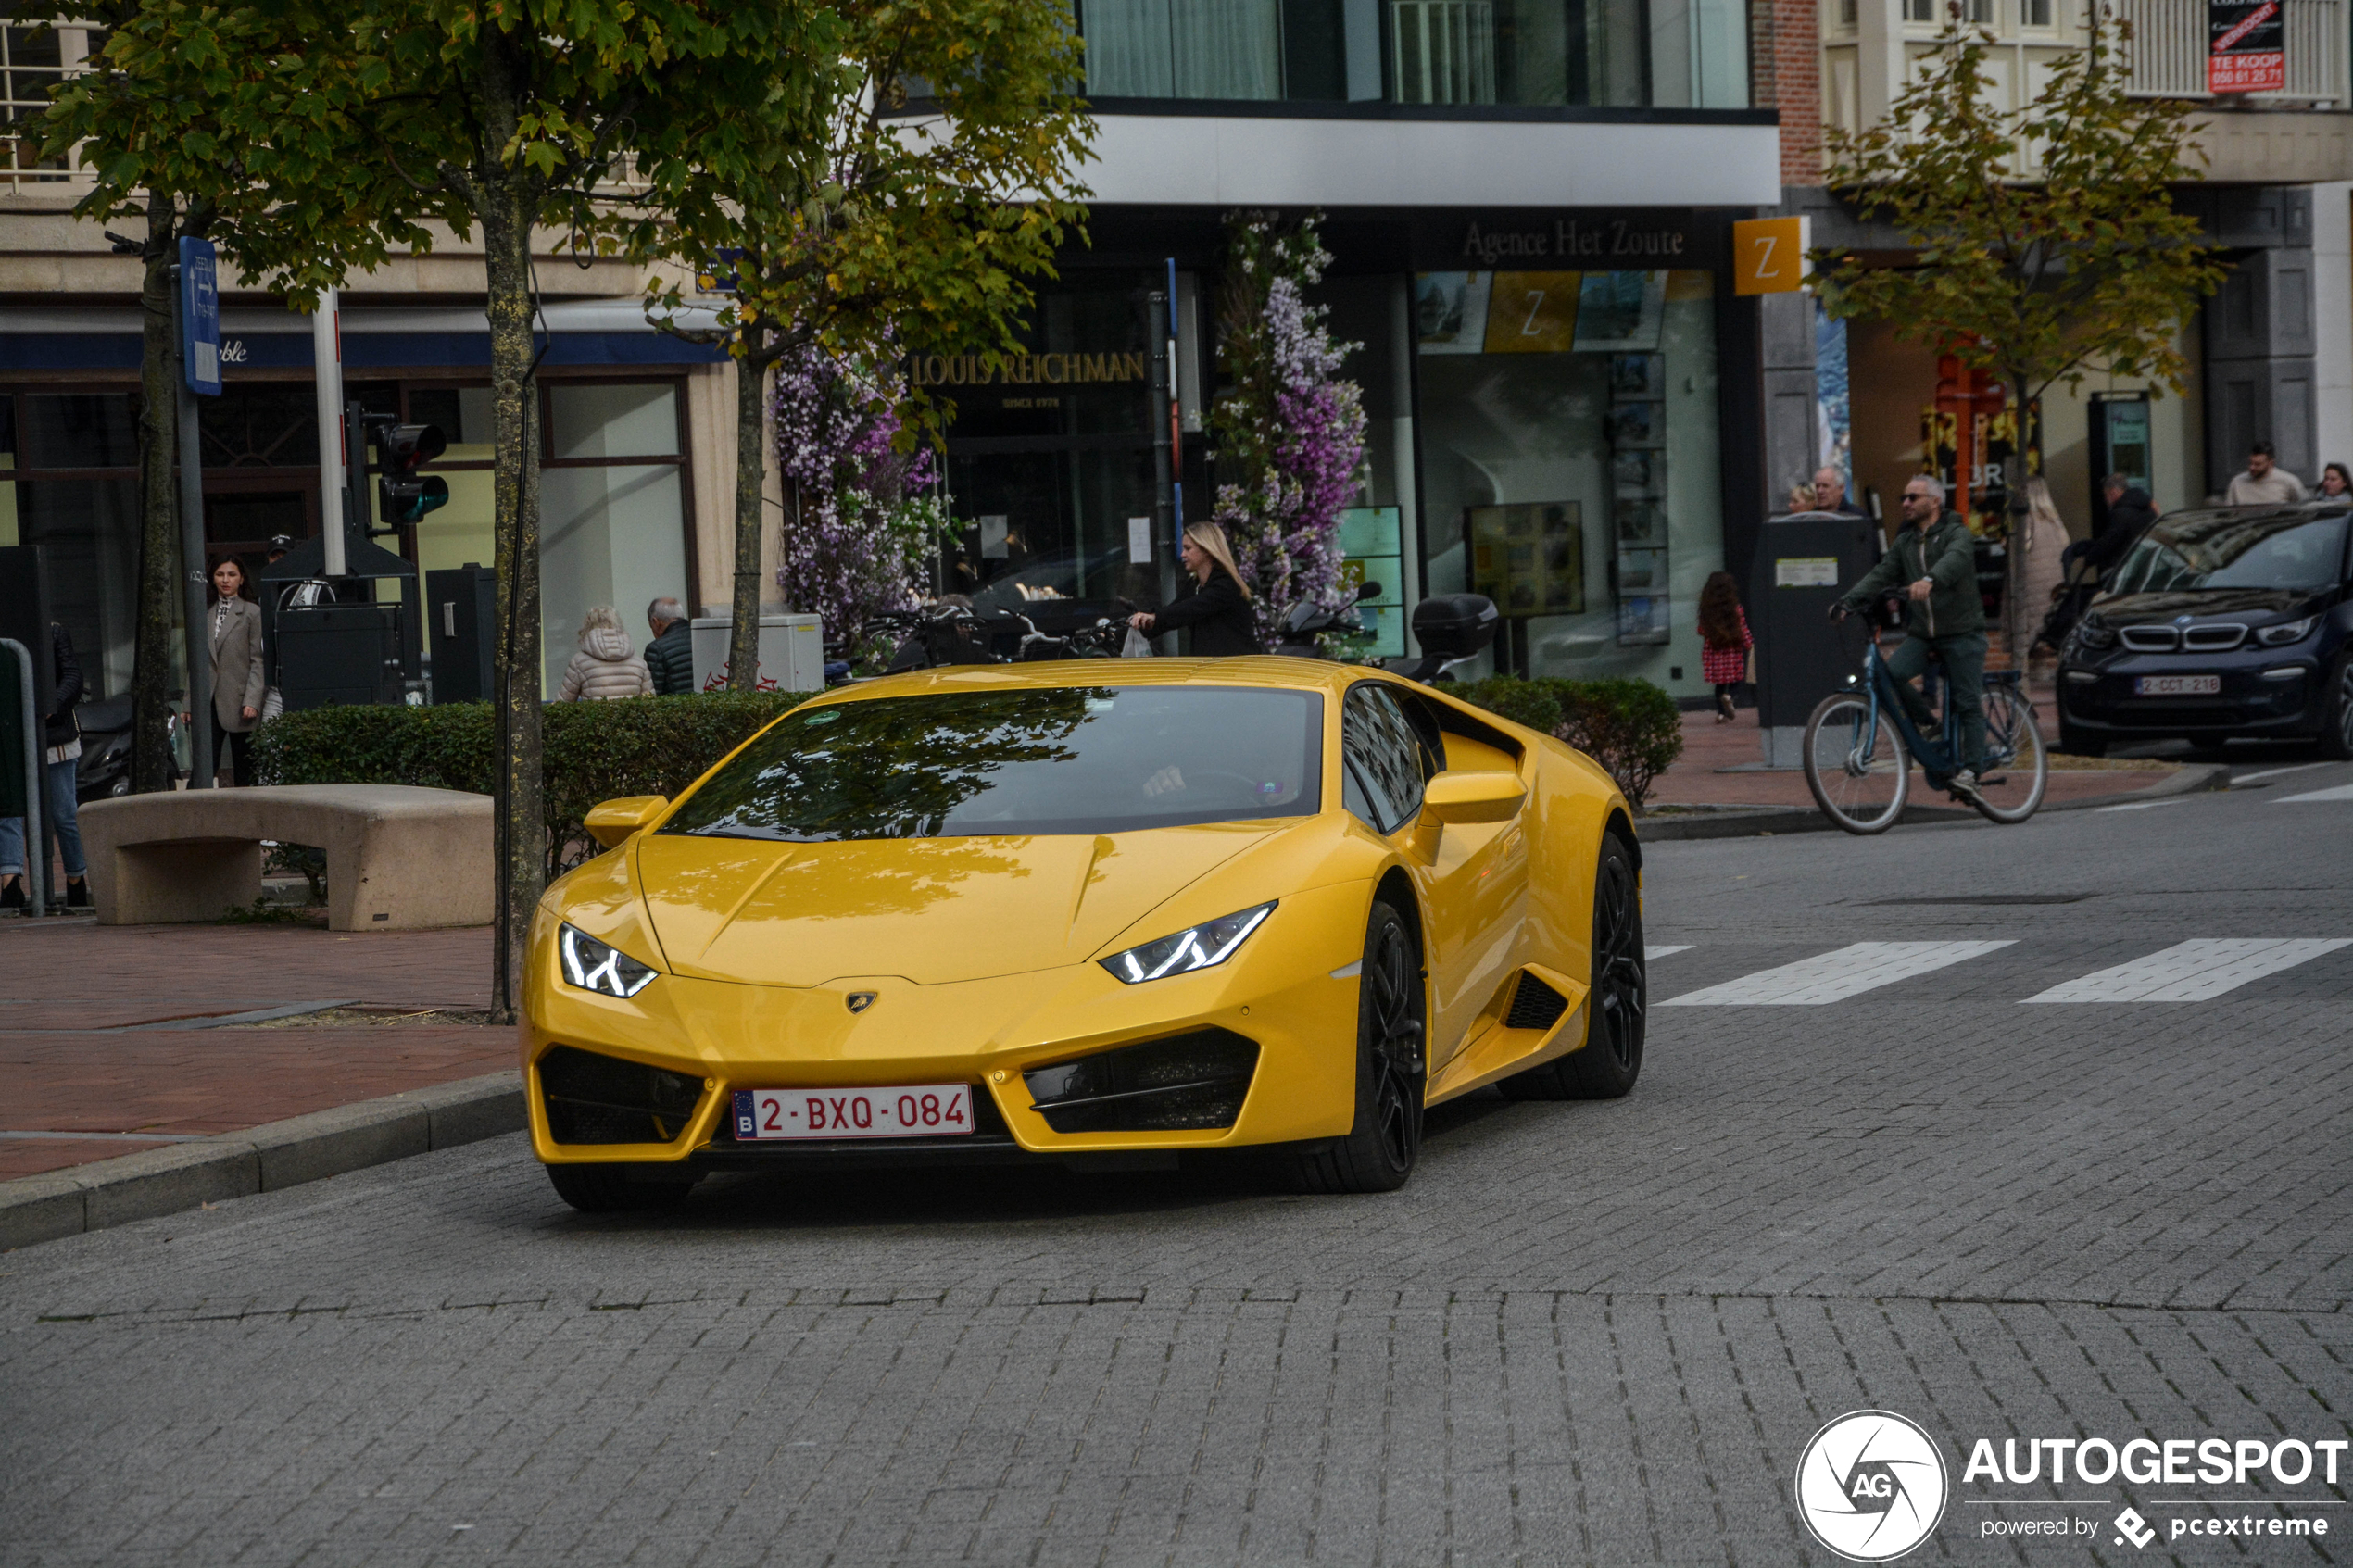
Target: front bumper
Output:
[
  {"x": 2261, "y": 696},
  {"x": 1278, "y": 992}
]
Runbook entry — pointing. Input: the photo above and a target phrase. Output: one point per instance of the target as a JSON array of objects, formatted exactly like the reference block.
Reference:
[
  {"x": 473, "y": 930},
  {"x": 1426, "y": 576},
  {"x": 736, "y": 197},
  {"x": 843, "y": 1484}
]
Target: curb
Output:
[
  {"x": 1748, "y": 823},
  {"x": 265, "y": 1159}
]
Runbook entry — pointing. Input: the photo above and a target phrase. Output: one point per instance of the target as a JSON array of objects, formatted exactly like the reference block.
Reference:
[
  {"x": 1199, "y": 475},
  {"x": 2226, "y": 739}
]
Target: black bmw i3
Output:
[{"x": 2226, "y": 624}]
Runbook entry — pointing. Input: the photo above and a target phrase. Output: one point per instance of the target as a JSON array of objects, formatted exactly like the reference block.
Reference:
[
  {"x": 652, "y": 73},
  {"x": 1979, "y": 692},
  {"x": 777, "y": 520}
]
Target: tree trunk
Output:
[
  {"x": 151, "y": 761},
  {"x": 751, "y": 484},
  {"x": 509, "y": 199}
]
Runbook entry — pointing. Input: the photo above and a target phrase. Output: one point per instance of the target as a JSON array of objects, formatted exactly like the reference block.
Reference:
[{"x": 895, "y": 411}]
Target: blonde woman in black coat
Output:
[{"x": 1218, "y": 608}]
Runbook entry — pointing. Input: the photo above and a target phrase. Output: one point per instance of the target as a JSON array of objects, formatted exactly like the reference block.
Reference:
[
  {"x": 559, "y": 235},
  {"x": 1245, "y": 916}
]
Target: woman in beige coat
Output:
[
  {"x": 234, "y": 625},
  {"x": 606, "y": 668}
]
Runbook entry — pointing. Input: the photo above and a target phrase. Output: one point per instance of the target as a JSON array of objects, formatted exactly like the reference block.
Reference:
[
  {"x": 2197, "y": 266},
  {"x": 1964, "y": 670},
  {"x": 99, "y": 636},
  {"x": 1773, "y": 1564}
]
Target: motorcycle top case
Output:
[{"x": 1454, "y": 625}]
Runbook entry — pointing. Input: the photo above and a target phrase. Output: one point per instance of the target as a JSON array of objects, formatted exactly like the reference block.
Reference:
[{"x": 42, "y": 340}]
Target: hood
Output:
[
  {"x": 603, "y": 642},
  {"x": 2138, "y": 609},
  {"x": 933, "y": 910}
]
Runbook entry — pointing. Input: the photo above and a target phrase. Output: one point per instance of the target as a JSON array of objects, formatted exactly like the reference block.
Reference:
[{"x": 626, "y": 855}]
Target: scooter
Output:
[{"x": 1451, "y": 628}]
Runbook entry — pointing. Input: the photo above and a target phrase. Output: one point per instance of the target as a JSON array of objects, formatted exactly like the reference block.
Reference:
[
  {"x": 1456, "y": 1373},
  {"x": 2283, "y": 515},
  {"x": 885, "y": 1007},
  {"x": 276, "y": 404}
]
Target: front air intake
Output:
[
  {"x": 1184, "y": 1084},
  {"x": 1534, "y": 1005},
  {"x": 594, "y": 1098}
]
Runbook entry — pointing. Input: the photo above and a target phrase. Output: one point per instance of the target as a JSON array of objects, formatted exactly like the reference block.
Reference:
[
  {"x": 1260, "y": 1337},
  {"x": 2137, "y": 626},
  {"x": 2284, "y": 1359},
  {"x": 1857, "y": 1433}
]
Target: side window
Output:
[{"x": 1386, "y": 757}]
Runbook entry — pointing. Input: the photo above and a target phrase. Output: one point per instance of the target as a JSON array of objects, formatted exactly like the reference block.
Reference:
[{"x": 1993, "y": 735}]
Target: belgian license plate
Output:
[
  {"x": 2178, "y": 686},
  {"x": 916, "y": 1111}
]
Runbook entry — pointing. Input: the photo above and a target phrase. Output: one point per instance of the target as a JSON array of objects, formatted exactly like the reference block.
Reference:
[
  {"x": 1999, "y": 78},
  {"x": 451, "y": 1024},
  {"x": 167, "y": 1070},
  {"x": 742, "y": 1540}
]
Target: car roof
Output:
[{"x": 1263, "y": 671}]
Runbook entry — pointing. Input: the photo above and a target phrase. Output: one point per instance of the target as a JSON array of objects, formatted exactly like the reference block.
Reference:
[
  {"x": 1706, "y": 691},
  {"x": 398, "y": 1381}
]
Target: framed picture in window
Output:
[
  {"x": 1638, "y": 476},
  {"x": 1528, "y": 558},
  {"x": 1642, "y": 522},
  {"x": 1620, "y": 310},
  {"x": 1638, "y": 426},
  {"x": 1633, "y": 376}
]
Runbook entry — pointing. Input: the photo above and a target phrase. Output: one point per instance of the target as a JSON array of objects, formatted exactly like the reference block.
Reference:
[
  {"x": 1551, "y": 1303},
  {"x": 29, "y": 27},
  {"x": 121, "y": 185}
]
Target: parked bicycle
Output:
[{"x": 1860, "y": 746}]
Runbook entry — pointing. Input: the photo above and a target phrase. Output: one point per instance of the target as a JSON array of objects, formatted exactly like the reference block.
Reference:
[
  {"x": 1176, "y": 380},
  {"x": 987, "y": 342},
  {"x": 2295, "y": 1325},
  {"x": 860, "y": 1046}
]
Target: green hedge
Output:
[
  {"x": 590, "y": 751},
  {"x": 1631, "y": 728}
]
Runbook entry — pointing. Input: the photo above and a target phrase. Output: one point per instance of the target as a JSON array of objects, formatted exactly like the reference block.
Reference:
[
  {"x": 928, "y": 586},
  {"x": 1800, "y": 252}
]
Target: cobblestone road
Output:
[{"x": 1585, "y": 1333}]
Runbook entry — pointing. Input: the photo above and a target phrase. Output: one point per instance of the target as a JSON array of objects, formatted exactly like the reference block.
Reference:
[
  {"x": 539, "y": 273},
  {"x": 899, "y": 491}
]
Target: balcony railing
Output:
[{"x": 2167, "y": 51}]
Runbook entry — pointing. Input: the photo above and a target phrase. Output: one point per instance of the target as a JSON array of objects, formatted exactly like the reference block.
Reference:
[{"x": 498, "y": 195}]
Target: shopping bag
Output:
[{"x": 1138, "y": 645}]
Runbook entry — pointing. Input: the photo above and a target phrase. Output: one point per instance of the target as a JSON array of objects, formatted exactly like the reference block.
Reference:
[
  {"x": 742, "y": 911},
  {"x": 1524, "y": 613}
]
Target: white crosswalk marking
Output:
[
  {"x": 1829, "y": 977},
  {"x": 2192, "y": 972},
  {"x": 1661, "y": 950},
  {"x": 2342, "y": 792}
]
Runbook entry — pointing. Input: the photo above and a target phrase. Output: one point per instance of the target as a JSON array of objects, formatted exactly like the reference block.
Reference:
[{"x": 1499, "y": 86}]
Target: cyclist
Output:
[{"x": 1933, "y": 563}]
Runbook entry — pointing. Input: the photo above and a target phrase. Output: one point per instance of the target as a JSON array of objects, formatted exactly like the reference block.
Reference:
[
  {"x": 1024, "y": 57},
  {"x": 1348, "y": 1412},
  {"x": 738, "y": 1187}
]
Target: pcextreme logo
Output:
[{"x": 1871, "y": 1485}]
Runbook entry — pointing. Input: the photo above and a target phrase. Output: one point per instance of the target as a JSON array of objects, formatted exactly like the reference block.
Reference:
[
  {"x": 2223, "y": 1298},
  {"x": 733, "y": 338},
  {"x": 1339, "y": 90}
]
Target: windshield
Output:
[
  {"x": 1077, "y": 759},
  {"x": 2232, "y": 551}
]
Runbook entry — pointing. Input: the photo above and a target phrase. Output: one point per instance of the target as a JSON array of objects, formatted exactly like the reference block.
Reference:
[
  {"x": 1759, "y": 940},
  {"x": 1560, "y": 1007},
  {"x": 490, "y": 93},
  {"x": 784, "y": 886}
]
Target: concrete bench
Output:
[{"x": 398, "y": 859}]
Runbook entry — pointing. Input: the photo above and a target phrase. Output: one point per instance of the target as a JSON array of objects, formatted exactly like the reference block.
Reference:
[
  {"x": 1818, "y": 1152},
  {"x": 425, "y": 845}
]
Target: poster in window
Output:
[
  {"x": 1449, "y": 312},
  {"x": 1638, "y": 476},
  {"x": 1635, "y": 376},
  {"x": 1642, "y": 522},
  {"x": 2247, "y": 43},
  {"x": 1642, "y": 621},
  {"x": 1530, "y": 559},
  {"x": 1620, "y": 311},
  {"x": 1638, "y": 426},
  {"x": 1532, "y": 313}
]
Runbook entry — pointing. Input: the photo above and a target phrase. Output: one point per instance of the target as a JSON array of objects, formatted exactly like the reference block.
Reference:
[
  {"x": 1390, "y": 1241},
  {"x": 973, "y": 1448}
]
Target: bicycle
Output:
[{"x": 1860, "y": 745}]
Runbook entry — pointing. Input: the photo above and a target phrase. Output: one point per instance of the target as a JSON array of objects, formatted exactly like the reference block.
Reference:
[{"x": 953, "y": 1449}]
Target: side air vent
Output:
[
  {"x": 594, "y": 1098},
  {"x": 1534, "y": 1005},
  {"x": 1186, "y": 1082}
]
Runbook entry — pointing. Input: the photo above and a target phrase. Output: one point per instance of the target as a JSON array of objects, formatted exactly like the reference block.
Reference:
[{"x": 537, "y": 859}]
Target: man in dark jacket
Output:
[
  {"x": 1933, "y": 564},
  {"x": 670, "y": 657}
]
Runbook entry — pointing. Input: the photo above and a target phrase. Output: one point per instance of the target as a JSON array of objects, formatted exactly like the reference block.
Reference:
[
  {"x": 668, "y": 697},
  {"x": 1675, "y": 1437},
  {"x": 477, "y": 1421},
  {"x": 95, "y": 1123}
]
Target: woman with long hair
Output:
[
  {"x": 1218, "y": 608},
  {"x": 1724, "y": 639},
  {"x": 234, "y": 625}
]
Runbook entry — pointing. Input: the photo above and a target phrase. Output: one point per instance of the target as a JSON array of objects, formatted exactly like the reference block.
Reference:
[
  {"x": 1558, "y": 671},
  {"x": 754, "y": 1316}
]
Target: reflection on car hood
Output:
[
  {"x": 934, "y": 910},
  {"x": 2135, "y": 610}
]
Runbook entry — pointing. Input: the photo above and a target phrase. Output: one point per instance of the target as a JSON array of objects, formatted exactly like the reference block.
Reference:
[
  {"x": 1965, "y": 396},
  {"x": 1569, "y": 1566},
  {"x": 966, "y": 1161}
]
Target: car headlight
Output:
[
  {"x": 2093, "y": 636},
  {"x": 1201, "y": 946},
  {"x": 592, "y": 966},
  {"x": 2288, "y": 631}
]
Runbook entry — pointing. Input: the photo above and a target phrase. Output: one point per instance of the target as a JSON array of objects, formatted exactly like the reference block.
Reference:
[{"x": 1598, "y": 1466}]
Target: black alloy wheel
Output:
[
  {"x": 2336, "y": 712},
  {"x": 1618, "y": 1004},
  {"x": 1391, "y": 1069}
]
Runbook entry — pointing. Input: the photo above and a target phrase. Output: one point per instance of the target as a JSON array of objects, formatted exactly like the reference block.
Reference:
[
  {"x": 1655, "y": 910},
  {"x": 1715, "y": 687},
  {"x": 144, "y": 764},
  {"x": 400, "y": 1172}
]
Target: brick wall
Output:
[{"x": 1786, "y": 72}]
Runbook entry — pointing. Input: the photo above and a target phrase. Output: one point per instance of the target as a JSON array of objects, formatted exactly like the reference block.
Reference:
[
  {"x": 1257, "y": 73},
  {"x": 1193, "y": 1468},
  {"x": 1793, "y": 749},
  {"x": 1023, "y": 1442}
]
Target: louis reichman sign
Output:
[
  {"x": 2246, "y": 47},
  {"x": 1025, "y": 369}
]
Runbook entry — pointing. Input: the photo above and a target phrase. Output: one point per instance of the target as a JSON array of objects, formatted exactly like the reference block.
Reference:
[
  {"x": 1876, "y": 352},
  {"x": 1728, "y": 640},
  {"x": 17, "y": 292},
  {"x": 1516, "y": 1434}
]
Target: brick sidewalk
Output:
[
  {"x": 1708, "y": 747},
  {"x": 81, "y": 1052}
]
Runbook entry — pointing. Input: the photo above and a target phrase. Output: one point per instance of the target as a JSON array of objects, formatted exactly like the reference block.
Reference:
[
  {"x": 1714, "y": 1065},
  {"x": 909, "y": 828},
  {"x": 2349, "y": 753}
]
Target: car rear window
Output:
[{"x": 1077, "y": 759}]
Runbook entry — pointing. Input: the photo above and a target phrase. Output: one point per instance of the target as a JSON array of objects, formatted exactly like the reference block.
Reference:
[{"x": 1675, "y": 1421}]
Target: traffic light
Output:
[{"x": 405, "y": 496}]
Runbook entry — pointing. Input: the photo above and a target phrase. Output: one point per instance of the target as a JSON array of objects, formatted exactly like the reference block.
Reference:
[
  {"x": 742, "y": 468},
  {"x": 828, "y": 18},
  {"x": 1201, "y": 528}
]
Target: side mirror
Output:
[
  {"x": 1481, "y": 796},
  {"x": 610, "y": 822},
  {"x": 1367, "y": 591}
]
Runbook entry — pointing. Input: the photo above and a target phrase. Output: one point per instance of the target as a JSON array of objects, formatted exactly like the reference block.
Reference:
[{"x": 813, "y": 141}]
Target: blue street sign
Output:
[{"x": 200, "y": 316}]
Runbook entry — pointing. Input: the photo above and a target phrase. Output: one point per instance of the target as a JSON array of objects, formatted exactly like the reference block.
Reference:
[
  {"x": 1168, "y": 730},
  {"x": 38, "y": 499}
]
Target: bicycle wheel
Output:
[
  {"x": 1856, "y": 765},
  {"x": 2018, "y": 768}
]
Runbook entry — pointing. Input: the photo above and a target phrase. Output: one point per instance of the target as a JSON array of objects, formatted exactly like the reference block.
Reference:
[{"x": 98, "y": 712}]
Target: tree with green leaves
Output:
[
  {"x": 2082, "y": 265},
  {"x": 210, "y": 121},
  {"x": 522, "y": 115},
  {"x": 920, "y": 223}
]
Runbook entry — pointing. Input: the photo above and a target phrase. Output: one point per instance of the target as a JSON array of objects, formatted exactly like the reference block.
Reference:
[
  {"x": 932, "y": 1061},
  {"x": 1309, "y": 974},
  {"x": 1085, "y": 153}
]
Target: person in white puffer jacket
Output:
[{"x": 607, "y": 668}]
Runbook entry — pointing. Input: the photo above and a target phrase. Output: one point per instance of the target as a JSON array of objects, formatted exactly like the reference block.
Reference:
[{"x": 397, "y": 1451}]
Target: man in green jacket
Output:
[{"x": 1933, "y": 563}]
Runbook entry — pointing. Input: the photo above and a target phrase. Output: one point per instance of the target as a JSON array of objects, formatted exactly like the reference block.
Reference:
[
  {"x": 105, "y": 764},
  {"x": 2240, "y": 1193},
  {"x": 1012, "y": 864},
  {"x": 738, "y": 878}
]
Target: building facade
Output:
[
  {"x": 2271, "y": 355},
  {"x": 1528, "y": 204}
]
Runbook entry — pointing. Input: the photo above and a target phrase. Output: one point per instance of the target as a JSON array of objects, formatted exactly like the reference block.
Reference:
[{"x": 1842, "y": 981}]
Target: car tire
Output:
[
  {"x": 2075, "y": 743},
  {"x": 1392, "y": 1012},
  {"x": 606, "y": 1189},
  {"x": 1611, "y": 1058},
  {"x": 2336, "y": 711}
]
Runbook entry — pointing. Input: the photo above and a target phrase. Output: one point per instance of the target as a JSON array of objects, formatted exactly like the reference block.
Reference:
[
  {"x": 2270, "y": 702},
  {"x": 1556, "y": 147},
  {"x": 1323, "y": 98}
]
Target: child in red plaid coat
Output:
[{"x": 1725, "y": 641}]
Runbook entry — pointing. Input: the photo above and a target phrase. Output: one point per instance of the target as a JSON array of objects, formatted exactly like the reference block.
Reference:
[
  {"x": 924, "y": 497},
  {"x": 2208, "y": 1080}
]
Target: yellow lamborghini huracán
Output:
[{"x": 1100, "y": 912}]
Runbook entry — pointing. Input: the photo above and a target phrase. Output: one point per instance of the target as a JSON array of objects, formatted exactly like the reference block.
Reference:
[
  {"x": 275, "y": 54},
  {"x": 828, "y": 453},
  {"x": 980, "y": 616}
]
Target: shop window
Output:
[
  {"x": 598, "y": 420},
  {"x": 1569, "y": 466},
  {"x": 80, "y": 429}
]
